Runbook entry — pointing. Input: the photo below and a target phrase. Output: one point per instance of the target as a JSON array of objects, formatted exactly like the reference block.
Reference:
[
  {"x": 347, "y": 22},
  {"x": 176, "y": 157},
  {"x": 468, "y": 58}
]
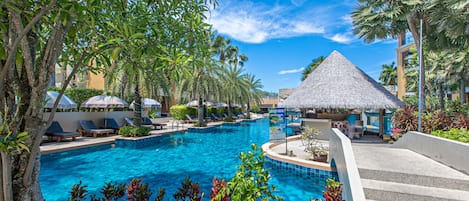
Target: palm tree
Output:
[
  {"x": 388, "y": 75},
  {"x": 234, "y": 85},
  {"x": 377, "y": 19},
  {"x": 312, "y": 66},
  {"x": 254, "y": 94}
]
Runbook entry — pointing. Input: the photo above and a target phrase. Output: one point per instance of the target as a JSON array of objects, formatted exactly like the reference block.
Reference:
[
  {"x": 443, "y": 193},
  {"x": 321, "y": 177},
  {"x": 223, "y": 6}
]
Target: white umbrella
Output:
[
  {"x": 195, "y": 103},
  {"x": 220, "y": 105},
  {"x": 64, "y": 103},
  {"x": 147, "y": 103},
  {"x": 104, "y": 102}
]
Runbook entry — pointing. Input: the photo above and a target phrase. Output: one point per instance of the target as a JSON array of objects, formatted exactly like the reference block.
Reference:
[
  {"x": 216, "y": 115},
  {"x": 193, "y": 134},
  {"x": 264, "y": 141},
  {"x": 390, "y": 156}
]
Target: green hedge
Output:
[
  {"x": 130, "y": 131},
  {"x": 461, "y": 134},
  {"x": 179, "y": 112}
]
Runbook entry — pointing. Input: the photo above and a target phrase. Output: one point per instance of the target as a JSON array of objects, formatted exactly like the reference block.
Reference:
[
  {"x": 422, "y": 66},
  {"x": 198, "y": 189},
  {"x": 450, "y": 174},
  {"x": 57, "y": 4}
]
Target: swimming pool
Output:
[{"x": 166, "y": 161}]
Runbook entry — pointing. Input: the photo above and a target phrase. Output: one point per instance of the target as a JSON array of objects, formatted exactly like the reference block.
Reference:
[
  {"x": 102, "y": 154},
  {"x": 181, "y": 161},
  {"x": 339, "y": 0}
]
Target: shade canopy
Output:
[
  {"x": 338, "y": 83},
  {"x": 104, "y": 102},
  {"x": 220, "y": 105},
  {"x": 64, "y": 103},
  {"x": 147, "y": 103},
  {"x": 195, "y": 103}
]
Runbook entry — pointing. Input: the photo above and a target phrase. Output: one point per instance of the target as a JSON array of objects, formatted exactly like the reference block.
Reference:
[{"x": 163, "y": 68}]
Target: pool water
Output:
[{"x": 166, "y": 162}]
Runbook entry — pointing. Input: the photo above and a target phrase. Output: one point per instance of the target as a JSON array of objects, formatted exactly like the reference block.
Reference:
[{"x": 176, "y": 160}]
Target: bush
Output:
[
  {"x": 334, "y": 191},
  {"x": 255, "y": 109},
  {"x": 229, "y": 119},
  {"x": 221, "y": 111},
  {"x": 179, "y": 112},
  {"x": 130, "y": 131},
  {"x": 461, "y": 134}
]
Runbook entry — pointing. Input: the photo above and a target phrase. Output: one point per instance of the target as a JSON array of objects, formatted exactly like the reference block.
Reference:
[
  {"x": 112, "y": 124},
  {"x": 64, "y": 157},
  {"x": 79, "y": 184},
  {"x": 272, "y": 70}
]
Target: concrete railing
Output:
[
  {"x": 449, "y": 152},
  {"x": 342, "y": 157},
  {"x": 70, "y": 121}
]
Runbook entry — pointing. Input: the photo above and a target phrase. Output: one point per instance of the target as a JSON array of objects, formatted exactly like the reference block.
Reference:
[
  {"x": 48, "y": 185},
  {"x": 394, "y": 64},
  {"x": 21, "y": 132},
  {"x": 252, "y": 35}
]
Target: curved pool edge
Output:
[{"x": 267, "y": 148}]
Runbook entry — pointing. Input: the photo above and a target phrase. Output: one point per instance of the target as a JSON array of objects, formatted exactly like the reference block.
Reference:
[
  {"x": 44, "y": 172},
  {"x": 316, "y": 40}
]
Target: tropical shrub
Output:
[
  {"x": 411, "y": 100},
  {"x": 237, "y": 110},
  {"x": 179, "y": 112},
  {"x": 406, "y": 119},
  {"x": 229, "y": 119},
  {"x": 130, "y": 131},
  {"x": 255, "y": 109},
  {"x": 334, "y": 191},
  {"x": 217, "y": 188},
  {"x": 461, "y": 134},
  {"x": 456, "y": 107},
  {"x": 221, "y": 111},
  {"x": 461, "y": 121},
  {"x": 436, "y": 120},
  {"x": 251, "y": 180},
  {"x": 189, "y": 191},
  {"x": 135, "y": 191}
]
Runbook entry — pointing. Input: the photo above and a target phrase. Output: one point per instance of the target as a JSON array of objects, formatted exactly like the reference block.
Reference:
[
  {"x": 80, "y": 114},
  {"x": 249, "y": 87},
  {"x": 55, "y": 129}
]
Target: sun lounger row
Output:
[{"x": 88, "y": 127}]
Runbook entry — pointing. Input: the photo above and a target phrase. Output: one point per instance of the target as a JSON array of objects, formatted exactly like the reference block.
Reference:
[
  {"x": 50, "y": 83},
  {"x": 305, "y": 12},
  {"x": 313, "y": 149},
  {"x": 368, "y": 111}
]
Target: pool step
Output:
[
  {"x": 391, "y": 191},
  {"x": 420, "y": 180}
]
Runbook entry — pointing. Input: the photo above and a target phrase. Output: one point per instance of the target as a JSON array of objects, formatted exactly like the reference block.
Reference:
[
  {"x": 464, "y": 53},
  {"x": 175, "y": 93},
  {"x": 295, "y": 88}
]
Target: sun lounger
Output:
[
  {"x": 216, "y": 118},
  {"x": 190, "y": 119},
  {"x": 55, "y": 130},
  {"x": 130, "y": 122},
  {"x": 88, "y": 127},
  {"x": 111, "y": 124},
  {"x": 147, "y": 121}
]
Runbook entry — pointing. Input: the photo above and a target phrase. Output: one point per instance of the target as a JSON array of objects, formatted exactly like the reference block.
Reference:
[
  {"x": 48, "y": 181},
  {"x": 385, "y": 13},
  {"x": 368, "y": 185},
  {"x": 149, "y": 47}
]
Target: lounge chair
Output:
[
  {"x": 88, "y": 127},
  {"x": 130, "y": 122},
  {"x": 147, "y": 121},
  {"x": 111, "y": 124},
  {"x": 215, "y": 117},
  {"x": 190, "y": 119},
  {"x": 55, "y": 130}
]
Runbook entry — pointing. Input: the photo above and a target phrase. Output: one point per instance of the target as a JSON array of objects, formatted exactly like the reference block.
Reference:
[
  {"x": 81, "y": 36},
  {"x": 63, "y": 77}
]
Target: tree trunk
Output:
[
  {"x": 138, "y": 103},
  {"x": 463, "y": 89},
  {"x": 441, "y": 96},
  {"x": 6, "y": 177},
  {"x": 248, "y": 111},
  {"x": 230, "y": 109},
  {"x": 200, "y": 111}
]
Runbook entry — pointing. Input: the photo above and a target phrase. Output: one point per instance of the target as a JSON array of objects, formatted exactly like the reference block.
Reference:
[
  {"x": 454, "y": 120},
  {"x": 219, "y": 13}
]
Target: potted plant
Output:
[
  {"x": 308, "y": 136},
  {"x": 320, "y": 152}
]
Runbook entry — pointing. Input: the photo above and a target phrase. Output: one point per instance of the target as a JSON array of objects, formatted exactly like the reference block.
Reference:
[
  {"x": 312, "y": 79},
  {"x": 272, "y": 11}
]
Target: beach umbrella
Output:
[
  {"x": 220, "y": 105},
  {"x": 64, "y": 103},
  {"x": 147, "y": 103},
  {"x": 104, "y": 102},
  {"x": 195, "y": 103}
]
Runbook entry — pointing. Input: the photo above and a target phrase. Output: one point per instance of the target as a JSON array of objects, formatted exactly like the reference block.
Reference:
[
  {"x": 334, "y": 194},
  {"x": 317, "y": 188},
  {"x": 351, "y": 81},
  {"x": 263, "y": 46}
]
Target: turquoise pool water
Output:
[{"x": 166, "y": 161}]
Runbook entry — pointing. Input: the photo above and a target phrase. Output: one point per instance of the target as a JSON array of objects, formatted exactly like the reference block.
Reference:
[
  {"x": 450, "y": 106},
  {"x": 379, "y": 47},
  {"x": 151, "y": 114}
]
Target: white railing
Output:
[{"x": 342, "y": 157}]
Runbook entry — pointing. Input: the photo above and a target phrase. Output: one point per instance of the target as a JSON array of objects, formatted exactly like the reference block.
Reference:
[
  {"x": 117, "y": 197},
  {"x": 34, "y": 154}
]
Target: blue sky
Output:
[{"x": 281, "y": 37}]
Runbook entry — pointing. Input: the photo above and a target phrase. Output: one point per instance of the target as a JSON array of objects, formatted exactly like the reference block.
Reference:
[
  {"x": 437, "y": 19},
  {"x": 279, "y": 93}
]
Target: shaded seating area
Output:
[
  {"x": 56, "y": 131},
  {"x": 215, "y": 117},
  {"x": 88, "y": 127}
]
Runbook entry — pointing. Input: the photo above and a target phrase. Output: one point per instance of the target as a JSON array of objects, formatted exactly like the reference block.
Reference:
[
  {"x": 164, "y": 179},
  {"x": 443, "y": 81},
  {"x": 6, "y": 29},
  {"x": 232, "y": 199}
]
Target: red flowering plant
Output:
[{"x": 396, "y": 132}]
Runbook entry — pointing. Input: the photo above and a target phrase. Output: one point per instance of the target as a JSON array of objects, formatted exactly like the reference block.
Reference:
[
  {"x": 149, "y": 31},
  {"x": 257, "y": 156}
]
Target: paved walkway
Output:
[{"x": 399, "y": 174}]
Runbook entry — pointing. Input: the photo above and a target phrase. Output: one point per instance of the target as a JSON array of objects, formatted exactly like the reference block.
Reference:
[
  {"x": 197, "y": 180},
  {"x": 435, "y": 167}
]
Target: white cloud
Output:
[
  {"x": 251, "y": 23},
  {"x": 291, "y": 71},
  {"x": 342, "y": 38},
  {"x": 347, "y": 19}
]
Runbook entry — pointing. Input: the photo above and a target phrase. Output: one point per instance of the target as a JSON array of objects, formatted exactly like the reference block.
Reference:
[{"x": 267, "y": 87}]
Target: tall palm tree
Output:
[
  {"x": 378, "y": 19},
  {"x": 312, "y": 66},
  {"x": 234, "y": 85},
  {"x": 388, "y": 75},
  {"x": 254, "y": 93}
]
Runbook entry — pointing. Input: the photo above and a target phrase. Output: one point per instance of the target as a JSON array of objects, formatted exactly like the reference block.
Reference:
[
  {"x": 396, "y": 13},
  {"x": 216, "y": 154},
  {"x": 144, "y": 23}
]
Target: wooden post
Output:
[{"x": 381, "y": 122}]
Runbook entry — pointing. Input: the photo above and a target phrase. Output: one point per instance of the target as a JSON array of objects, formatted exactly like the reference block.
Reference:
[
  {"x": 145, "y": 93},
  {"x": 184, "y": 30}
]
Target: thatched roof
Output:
[{"x": 337, "y": 83}]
